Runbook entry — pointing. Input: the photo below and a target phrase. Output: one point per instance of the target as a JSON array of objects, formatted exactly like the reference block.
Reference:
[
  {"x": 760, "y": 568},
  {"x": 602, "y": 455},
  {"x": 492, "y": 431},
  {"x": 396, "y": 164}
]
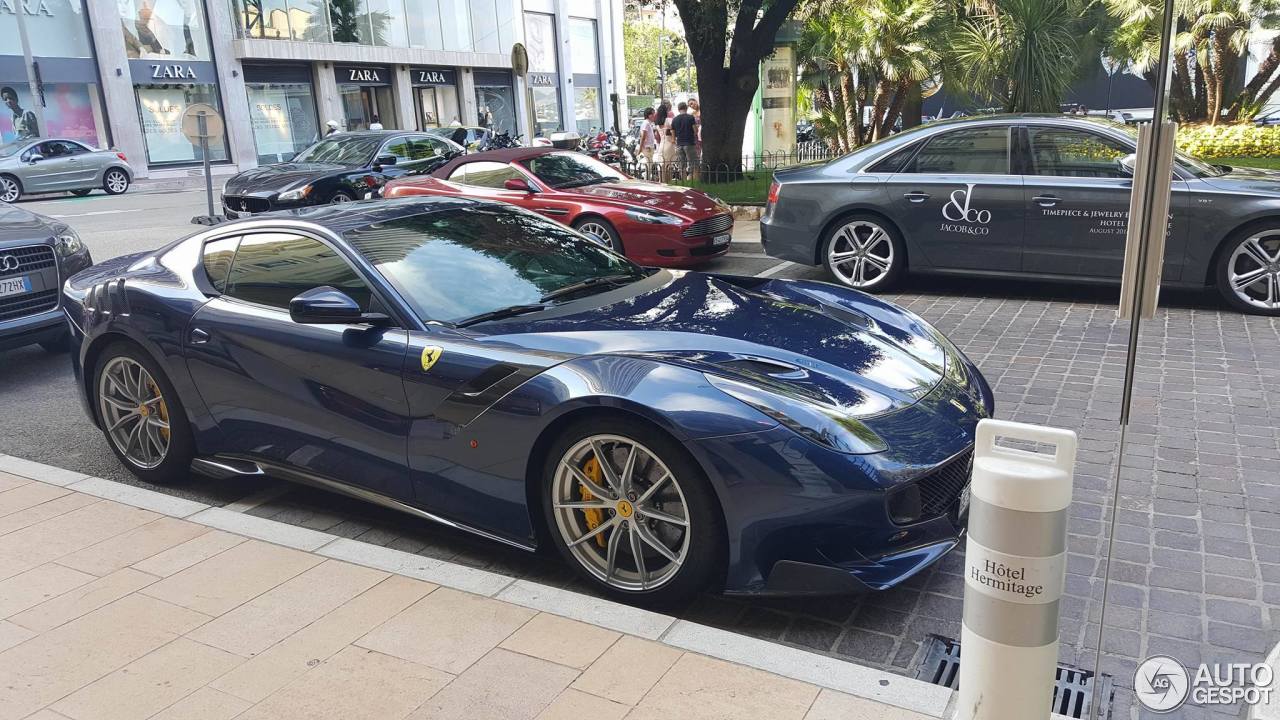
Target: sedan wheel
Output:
[
  {"x": 134, "y": 412},
  {"x": 10, "y": 190},
  {"x": 115, "y": 182},
  {"x": 339, "y": 198},
  {"x": 863, "y": 254},
  {"x": 1249, "y": 276}
]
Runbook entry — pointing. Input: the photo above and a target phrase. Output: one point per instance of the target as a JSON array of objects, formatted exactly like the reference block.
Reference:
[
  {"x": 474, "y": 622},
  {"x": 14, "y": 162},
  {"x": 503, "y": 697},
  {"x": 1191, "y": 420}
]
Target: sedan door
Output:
[
  {"x": 326, "y": 400},
  {"x": 1077, "y": 205},
  {"x": 958, "y": 202}
]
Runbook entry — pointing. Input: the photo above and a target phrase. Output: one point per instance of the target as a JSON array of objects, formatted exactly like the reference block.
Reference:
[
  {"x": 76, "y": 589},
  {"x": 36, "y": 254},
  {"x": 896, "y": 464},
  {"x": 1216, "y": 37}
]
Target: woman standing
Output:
[{"x": 667, "y": 146}]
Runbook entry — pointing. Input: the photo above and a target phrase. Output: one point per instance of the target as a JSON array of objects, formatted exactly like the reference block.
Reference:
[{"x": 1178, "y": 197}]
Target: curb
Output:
[{"x": 819, "y": 670}]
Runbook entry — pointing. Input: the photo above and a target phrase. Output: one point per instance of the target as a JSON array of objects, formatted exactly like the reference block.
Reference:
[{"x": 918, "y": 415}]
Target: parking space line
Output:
[
  {"x": 262, "y": 497},
  {"x": 96, "y": 212},
  {"x": 770, "y": 272}
]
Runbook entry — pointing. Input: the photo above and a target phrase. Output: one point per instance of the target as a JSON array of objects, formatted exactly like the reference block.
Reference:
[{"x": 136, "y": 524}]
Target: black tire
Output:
[
  {"x": 340, "y": 196},
  {"x": 887, "y": 245},
  {"x": 117, "y": 179},
  {"x": 1234, "y": 260},
  {"x": 59, "y": 345},
  {"x": 10, "y": 188},
  {"x": 176, "y": 465},
  {"x": 82, "y": 192},
  {"x": 614, "y": 240},
  {"x": 703, "y": 565}
]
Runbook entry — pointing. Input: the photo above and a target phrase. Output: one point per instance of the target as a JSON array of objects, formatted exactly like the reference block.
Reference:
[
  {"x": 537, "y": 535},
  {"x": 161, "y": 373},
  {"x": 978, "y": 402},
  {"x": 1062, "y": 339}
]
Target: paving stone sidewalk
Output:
[{"x": 109, "y": 610}]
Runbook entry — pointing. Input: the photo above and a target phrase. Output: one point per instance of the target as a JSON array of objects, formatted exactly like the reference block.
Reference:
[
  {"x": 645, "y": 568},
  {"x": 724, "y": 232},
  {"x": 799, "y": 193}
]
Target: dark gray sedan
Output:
[
  {"x": 45, "y": 165},
  {"x": 1028, "y": 196}
]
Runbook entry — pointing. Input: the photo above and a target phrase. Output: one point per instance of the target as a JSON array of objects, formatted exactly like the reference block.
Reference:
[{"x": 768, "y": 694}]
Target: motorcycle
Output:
[{"x": 503, "y": 140}]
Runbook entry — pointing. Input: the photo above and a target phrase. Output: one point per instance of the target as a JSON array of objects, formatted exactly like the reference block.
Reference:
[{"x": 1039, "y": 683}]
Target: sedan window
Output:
[
  {"x": 568, "y": 169},
  {"x": 974, "y": 151},
  {"x": 349, "y": 150},
  {"x": 456, "y": 264},
  {"x": 273, "y": 268},
  {"x": 1072, "y": 153}
]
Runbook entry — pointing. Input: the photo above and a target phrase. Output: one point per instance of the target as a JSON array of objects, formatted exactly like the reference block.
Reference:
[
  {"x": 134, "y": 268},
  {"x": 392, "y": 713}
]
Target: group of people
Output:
[{"x": 671, "y": 143}]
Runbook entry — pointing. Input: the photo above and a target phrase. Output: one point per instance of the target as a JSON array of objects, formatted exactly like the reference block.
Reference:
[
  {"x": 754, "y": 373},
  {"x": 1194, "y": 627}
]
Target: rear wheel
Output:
[
  {"x": 1248, "y": 272},
  {"x": 10, "y": 188},
  {"x": 864, "y": 252},
  {"x": 632, "y": 512},
  {"x": 115, "y": 181},
  {"x": 601, "y": 231},
  {"x": 141, "y": 415},
  {"x": 341, "y": 196}
]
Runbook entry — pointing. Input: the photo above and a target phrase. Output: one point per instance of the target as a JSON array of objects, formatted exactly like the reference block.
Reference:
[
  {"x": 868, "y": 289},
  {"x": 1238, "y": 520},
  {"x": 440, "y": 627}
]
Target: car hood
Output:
[
  {"x": 1250, "y": 181},
  {"x": 669, "y": 198},
  {"x": 838, "y": 347},
  {"x": 23, "y": 227},
  {"x": 279, "y": 177}
]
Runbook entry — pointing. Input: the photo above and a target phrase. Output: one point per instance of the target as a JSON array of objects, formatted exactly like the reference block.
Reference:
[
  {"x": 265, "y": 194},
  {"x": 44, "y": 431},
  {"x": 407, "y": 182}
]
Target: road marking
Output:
[
  {"x": 262, "y": 497},
  {"x": 98, "y": 212},
  {"x": 769, "y": 272},
  {"x": 751, "y": 255}
]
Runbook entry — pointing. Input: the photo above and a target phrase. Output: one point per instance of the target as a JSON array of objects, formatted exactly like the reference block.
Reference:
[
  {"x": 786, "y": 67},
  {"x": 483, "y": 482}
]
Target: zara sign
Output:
[
  {"x": 361, "y": 75},
  {"x": 432, "y": 76},
  {"x": 151, "y": 72}
]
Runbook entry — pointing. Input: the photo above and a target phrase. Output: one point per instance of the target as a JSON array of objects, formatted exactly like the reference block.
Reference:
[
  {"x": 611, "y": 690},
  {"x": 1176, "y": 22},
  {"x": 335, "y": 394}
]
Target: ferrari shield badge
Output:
[{"x": 430, "y": 354}]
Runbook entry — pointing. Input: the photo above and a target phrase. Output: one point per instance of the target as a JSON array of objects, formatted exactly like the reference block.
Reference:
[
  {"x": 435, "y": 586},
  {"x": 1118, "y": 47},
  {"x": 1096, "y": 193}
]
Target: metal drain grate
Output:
[{"x": 1073, "y": 688}]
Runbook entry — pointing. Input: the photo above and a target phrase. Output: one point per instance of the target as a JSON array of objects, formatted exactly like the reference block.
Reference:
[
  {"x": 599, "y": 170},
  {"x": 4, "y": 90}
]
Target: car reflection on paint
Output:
[{"x": 1021, "y": 196}]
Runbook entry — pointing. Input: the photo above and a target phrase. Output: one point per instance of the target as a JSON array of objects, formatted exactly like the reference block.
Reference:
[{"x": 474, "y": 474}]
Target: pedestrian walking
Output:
[
  {"x": 376, "y": 124},
  {"x": 649, "y": 140},
  {"x": 685, "y": 128},
  {"x": 333, "y": 126}
]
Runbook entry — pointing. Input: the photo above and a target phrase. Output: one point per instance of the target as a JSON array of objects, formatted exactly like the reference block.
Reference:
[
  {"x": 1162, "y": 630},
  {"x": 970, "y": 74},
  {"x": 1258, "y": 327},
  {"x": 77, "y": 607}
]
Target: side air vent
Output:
[
  {"x": 764, "y": 366},
  {"x": 487, "y": 379}
]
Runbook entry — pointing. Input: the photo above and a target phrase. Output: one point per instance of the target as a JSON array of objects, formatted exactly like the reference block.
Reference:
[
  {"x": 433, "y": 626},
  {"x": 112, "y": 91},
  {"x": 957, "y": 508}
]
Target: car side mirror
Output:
[
  {"x": 35, "y": 158},
  {"x": 385, "y": 160},
  {"x": 517, "y": 184},
  {"x": 1128, "y": 163},
  {"x": 326, "y": 305}
]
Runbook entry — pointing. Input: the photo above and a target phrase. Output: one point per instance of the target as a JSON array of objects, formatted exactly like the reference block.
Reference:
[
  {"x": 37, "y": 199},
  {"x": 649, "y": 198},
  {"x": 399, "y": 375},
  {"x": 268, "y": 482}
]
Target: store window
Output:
[
  {"x": 456, "y": 18},
  {"x": 366, "y": 96},
  {"x": 435, "y": 95},
  {"x": 386, "y": 23},
  {"x": 586, "y": 110},
  {"x": 424, "y": 24},
  {"x": 584, "y": 58},
  {"x": 583, "y": 53},
  {"x": 55, "y": 28},
  {"x": 72, "y": 110},
  {"x": 164, "y": 29},
  {"x": 543, "y": 78},
  {"x": 160, "y": 109},
  {"x": 283, "y": 117},
  {"x": 495, "y": 101},
  {"x": 540, "y": 42}
]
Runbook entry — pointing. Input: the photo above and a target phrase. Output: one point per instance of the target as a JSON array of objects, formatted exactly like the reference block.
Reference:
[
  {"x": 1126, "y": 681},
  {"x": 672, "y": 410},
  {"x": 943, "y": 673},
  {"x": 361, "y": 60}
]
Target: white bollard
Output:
[{"x": 1015, "y": 567}]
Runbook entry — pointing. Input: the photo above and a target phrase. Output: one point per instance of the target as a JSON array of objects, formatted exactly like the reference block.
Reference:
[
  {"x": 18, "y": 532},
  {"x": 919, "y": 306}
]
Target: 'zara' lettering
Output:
[
  {"x": 363, "y": 75},
  {"x": 431, "y": 76},
  {"x": 161, "y": 72}
]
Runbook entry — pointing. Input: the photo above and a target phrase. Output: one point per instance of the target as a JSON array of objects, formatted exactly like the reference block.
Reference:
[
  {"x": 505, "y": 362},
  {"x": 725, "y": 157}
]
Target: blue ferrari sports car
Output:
[{"x": 480, "y": 366}]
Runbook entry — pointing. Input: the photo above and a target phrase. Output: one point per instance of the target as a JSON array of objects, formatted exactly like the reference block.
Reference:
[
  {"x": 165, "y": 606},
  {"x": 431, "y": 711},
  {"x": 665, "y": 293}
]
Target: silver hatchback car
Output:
[{"x": 45, "y": 165}]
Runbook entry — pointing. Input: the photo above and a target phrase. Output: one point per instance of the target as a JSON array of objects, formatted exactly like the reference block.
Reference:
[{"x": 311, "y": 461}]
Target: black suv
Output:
[{"x": 36, "y": 254}]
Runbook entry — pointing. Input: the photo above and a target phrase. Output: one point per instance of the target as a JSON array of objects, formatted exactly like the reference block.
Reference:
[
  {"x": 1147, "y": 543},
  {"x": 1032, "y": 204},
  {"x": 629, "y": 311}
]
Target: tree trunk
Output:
[
  {"x": 1199, "y": 109},
  {"x": 852, "y": 116},
  {"x": 895, "y": 107},
  {"x": 1249, "y": 93},
  {"x": 913, "y": 109},
  {"x": 726, "y": 103},
  {"x": 879, "y": 106}
]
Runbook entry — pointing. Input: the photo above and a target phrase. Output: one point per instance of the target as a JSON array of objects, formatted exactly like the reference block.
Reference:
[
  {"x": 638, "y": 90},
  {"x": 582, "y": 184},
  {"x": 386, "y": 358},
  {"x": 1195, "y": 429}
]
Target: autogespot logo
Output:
[{"x": 1161, "y": 684}]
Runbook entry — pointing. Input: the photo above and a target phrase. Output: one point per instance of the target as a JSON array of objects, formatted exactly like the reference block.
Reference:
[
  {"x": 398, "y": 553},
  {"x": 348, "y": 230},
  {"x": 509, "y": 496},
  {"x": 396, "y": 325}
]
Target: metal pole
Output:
[
  {"x": 1154, "y": 185},
  {"x": 36, "y": 105},
  {"x": 202, "y": 124},
  {"x": 662, "y": 55}
]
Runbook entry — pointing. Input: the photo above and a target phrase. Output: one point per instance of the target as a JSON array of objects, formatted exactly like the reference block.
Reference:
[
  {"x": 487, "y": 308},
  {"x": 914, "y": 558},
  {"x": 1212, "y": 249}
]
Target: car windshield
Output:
[
  {"x": 9, "y": 149},
  {"x": 568, "y": 169},
  {"x": 461, "y": 263},
  {"x": 350, "y": 150}
]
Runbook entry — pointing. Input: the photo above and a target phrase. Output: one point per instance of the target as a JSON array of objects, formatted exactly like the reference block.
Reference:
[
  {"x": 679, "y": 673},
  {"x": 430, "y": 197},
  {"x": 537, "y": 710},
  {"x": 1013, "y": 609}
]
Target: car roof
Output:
[
  {"x": 344, "y": 217},
  {"x": 1017, "y": 118},
  {"x": 505, "y": 155}
]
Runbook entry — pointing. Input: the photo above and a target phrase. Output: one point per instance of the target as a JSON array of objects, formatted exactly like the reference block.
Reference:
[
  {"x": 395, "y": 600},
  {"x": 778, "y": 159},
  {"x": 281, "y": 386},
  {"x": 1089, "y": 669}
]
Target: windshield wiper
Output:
[
  {"x": 500, "y": 313},
  {"x": 583, "y": 285}
]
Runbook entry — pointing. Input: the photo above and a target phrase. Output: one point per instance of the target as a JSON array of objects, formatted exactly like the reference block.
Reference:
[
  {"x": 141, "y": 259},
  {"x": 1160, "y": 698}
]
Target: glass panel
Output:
[
  {"x": 484, "y": 31},
  {"x": 546, "y": 110},
  {"x": 506, "y": 14},
  {"x": 424, "y": 24},
  {"x": 568, "y": 169},
  {"x": 265, "y": 19},
  {"x": 586, "y": 109},
  {"x": 55, "y": 28},
  {"x": 1075, "y": 154},
  {"x": 283, "y": 116},
  {"x": 164, "y": 29},
  {"x": 356, "y": 107},
  {"x": 217, "y": 261},
  {"x": 982, "y": 151},
  {"x": 273, "y": 268},
  {"x": 387, "y": 23},
  {"x": 71, "y": 110},
  {"x": 487, "y": 174},
  {"x": 540, "y": 40},
  {"x": 160, "y": 108},
  {"x": 583, "y": 55},
  {"x": 349, "y": 20},
  {"x": 309, "y": 20},
  {"x": 496, "y": 106},
  {"x": 456, "y": 21}
]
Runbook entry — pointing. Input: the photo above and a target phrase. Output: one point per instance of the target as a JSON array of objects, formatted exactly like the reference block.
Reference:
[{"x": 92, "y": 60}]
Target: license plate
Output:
[
  {"x": 15, "y": 286},
  {"x": 719, "y": 240}
]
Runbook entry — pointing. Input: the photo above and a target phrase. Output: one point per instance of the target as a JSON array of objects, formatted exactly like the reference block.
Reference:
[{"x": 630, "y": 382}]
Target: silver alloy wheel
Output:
[
  {"x": 1254, "y": 270},
  {"x": 860, "y": 253},
  {"x": 134, "y": 412},
  {"x": 117, "y": 182},
  {"x": 9, "y": 190},
  {"x": 338, "y": 199},
  {"x": 597, "y": 232},
  {"x": 629, "y": 525}
]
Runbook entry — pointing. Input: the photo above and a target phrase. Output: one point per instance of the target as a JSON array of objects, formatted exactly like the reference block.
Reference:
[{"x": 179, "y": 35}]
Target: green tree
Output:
[
  {"x": 650, "y": 53},
  {"x": 1025, "y": 53}
]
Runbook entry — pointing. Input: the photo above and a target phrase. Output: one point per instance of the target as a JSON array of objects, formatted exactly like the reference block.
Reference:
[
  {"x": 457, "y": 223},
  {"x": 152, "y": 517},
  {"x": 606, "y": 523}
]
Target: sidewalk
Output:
[{"x": 119, "y": 602}]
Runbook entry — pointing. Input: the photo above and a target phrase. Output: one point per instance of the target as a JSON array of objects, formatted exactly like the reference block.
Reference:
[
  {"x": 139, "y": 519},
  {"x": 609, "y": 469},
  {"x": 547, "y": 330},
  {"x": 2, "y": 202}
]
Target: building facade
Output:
[{"x": 121, "y": 72}]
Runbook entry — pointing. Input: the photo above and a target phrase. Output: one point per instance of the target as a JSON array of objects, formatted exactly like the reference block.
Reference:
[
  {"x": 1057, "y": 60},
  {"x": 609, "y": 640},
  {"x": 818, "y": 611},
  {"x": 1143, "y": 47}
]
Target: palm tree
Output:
[
  {"x": 897, "y": 42},
  {"x": 1022, "y": 51}
]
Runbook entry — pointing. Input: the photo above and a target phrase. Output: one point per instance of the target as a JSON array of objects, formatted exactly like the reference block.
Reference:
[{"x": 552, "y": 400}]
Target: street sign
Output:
[{"x": 213, "y": 127}]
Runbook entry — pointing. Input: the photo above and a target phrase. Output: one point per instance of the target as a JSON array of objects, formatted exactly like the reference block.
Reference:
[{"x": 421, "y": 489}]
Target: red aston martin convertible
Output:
[{"x": 651, "y": 223}]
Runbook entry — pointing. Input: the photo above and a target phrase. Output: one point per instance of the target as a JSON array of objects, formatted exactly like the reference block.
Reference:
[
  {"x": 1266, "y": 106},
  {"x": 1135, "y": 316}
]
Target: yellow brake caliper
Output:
[
  {"x": 161, "y": 408},
  {"x": 594, "y": 516}
]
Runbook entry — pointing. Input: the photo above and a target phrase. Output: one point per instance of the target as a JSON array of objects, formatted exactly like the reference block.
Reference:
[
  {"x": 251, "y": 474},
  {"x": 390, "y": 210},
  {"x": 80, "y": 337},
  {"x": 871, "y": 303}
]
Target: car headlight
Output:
[
  {"x": 654, "y": 217},
  {"x": 294, "y": 194},
  {"x": 68, "y": 243},
  {"x": 823, "y": 424}
]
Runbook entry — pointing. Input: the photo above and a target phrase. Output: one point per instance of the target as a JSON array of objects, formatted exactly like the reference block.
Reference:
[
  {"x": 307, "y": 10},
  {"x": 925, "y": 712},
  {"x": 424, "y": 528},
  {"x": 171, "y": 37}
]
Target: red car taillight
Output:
[
  {"x": 773, "y": 192},
  {"x": 122, "y": 157}
]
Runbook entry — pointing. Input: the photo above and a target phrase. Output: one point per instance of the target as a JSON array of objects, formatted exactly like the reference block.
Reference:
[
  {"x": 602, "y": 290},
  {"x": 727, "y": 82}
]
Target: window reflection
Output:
[{"x": 163, "y": 29}]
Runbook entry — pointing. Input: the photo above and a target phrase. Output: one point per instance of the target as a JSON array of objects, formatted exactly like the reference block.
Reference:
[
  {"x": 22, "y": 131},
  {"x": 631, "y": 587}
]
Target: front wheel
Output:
[
  {"x": 632, "y": 512},
  {"x": 341, "y": 196},
  {"x": 115, "y": 182},
  {"x": 10, "y": 189},
  {"x": 601, "y": 231},
  {"x": 1248, "y": 272},
  {"x": 141, "y": 415},
  {"x": 865, "y": 253}
]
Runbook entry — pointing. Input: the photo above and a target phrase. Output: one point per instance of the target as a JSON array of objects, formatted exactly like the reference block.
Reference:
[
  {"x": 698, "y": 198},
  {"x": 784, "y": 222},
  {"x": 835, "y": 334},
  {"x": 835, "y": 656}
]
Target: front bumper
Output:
[
  {"x": 46, "y": 326},
  {"x": 248, "y": 205},
  {"x": 667, "y": 245}
]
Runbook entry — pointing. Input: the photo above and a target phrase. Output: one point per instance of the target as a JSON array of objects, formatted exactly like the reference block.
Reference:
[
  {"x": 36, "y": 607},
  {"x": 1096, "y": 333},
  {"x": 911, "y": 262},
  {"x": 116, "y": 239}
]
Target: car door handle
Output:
[
  {"x": 1047, "y": 200},
  {"x": 916, "y": 196},
  {"x": 197, "y": 336}
]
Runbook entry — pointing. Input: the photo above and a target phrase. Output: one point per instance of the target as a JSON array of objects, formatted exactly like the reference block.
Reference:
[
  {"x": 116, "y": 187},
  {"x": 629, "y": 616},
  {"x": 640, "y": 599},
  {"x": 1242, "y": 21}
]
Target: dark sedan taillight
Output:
[{"x": 773, "y": 192}]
